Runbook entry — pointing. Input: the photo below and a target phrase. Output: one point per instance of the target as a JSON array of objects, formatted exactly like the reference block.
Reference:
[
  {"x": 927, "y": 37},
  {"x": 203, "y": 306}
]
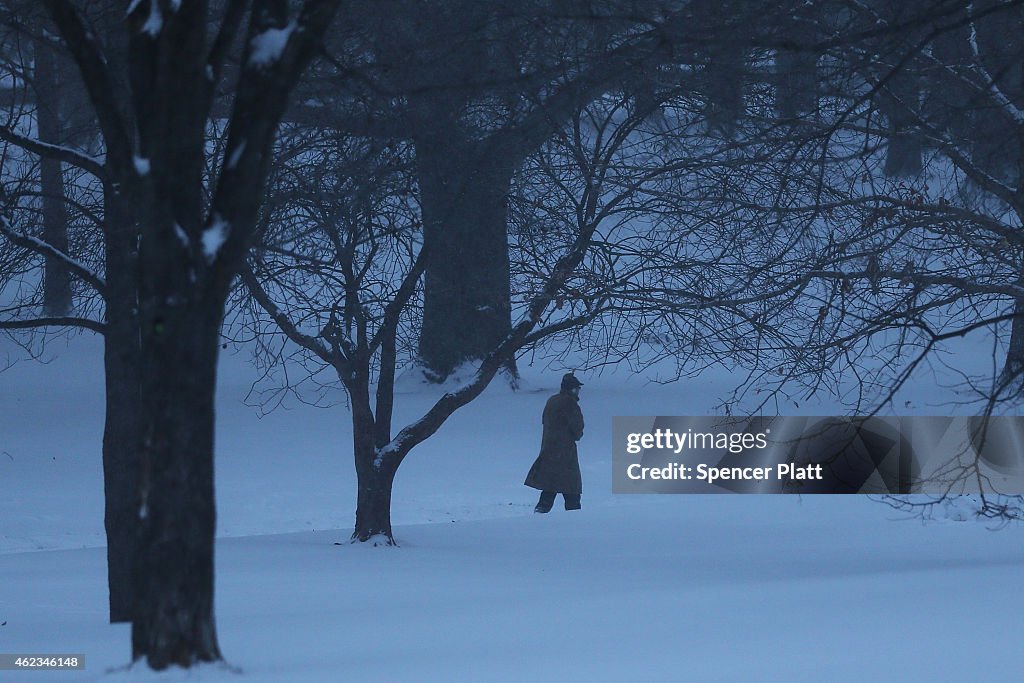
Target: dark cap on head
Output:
[{"x": 569, "y": 381}]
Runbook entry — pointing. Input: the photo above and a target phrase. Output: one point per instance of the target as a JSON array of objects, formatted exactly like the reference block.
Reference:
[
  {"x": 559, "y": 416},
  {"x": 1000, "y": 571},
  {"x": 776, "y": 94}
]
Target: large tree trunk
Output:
[
  {"x": 1013, "y": 368},
  {"x": 174, "y": 575},
  {"x": 187, "y": 257},
  {"x": 724, "y": 77},
  {"x": 56, "y": 279},
  {"x": 121, "y": 462},
  {"x": 464, "y": 190},
  {"x": 904, "y": 153},
  {"x": 797, "y": 85},
  {"x": 121, "y": 435},
  {"x": 796, "y": 70}
]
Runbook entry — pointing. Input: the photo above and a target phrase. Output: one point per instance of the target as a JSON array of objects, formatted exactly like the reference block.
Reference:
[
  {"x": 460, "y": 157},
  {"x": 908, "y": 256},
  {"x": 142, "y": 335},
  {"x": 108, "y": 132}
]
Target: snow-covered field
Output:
[{"x": 672, "y": 588}]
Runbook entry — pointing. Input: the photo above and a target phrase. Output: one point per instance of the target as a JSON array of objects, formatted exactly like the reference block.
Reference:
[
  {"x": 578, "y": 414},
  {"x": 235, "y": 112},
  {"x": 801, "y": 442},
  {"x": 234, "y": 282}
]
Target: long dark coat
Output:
[{"x": 557, "y": 468}]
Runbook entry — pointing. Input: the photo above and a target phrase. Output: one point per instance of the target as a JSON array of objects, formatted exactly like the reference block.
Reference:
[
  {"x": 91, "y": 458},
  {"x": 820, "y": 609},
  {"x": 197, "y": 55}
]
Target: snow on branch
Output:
[
  {"x": 46, "y": 249},
  {"x": 236, "y": 155},
  {"x": 142, "y": 165},
  {"x": 267, "y": 47},
  {"x": 154, "y": 20},
  {"x": 990, "y": 83},
  {"x": 69, "y": 156},
  {"x": 215, "y": 236},
  {"x": 92, "y": 63}
]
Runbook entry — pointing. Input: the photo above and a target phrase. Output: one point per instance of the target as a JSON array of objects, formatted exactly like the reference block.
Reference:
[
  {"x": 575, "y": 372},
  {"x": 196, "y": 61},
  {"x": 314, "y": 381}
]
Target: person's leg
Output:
[
  {"x": 547, "y": 499},
  {"x": 572, "y": 502}
]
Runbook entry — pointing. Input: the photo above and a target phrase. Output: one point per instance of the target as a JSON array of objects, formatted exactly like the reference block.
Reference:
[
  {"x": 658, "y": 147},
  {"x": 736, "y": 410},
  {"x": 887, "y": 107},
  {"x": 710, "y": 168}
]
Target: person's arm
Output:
[{"x": 576, "y": 422}]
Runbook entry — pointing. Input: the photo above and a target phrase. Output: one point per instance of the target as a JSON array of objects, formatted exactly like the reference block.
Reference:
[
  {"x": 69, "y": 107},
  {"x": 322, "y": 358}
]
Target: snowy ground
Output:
[{"x": 631, "y": 588}]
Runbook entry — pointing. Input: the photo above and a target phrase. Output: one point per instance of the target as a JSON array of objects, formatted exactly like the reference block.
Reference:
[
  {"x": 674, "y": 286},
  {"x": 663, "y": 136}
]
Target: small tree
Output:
[{"x": 614, "y": 233}]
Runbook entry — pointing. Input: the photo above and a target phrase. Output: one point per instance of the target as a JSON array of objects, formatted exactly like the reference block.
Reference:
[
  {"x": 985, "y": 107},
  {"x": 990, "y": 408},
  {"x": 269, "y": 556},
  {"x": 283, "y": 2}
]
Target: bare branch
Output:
[
  {"x": 67, "y": 155},
  {"x": 48, "y": 250},
  {"x": 30, "y": 324}
]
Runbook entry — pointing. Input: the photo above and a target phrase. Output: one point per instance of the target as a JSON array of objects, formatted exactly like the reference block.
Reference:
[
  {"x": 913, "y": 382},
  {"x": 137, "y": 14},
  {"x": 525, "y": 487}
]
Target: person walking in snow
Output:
[{"x": 557, "y": 468}]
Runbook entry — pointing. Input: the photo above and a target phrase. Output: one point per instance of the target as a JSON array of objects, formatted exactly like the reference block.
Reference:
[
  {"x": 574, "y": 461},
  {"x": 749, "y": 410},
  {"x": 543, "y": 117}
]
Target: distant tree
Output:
[
  {"x": 479, "y": 86},
  {"x": 53, "y": 222},
  {"x": 910, "y": 262},
  {"x": 962, "y": 213}
]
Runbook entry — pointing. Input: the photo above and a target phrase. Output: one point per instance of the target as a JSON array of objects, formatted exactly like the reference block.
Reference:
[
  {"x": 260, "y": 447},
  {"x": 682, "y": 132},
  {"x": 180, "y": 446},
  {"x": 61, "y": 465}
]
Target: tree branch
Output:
[
  {"x": 306, "y": 341},
  {"x": 264, "y": 87},
  {"x": 96, "y": 76},
  {"x": 67, "y": 155},
  {"x": 48, "y": 250},
  {"x": 84, "y": 323}
]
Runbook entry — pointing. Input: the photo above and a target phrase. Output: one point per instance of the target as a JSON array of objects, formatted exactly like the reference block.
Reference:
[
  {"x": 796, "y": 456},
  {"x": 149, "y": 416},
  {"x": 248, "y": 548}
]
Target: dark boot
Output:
[
  {"x": 547, "y": 499},
  {"x": 571, "y": 502}
]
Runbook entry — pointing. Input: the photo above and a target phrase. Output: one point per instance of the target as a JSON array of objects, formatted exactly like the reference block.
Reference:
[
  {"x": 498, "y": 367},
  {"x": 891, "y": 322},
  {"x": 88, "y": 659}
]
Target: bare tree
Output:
[
  {"x": 619, "y": 240},
  {"x": 917, "y": 217}
]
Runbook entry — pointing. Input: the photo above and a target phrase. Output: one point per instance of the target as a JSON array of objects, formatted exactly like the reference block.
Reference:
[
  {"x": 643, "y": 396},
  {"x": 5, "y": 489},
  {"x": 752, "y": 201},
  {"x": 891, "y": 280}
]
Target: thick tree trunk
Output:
[
  {"x": 904, "y": 154},
  {"x": 464, "y": 190},
  {"x": 121, "y": 457},
  {"x": 1013, "y": 368},
  {"x": 724, "y": 82},
  {"x": 156, "y": 155},
  {"x": 797, "y": 85},
  {"x": 174, "y": 575},
  {"x": 121, "y": 435},
  {"x": 56, "y": 278},
  {"x": 120, "y": 464},
  {"x": 375, "y": 474},
  {"x": 373, "y": 502},
  {"x": 990, "y": 147}
]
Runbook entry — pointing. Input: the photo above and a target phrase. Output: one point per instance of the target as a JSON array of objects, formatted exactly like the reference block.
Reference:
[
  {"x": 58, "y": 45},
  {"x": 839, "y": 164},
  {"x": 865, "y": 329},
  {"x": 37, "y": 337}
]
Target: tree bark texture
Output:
[
  {"x": 373, "y": 499},
  {"x": 1013, "y": 368},
  {"x": 375, "y": 472},
  {"x": 121, "y": 463},
  {"x": 121, "y": 435},
  {"x": 173, "y": 621}
]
